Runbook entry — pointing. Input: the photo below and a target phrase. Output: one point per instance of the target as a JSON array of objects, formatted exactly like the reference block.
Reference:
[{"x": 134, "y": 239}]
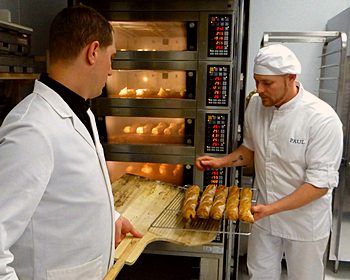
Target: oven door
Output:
[
  {"x": 173, "y": 35},
  {"x": 193, "y": 30},
  {"x": 153, "y": 35},
  {"x": 160, "y": 80},
  {"x": 156, "y": 143}
]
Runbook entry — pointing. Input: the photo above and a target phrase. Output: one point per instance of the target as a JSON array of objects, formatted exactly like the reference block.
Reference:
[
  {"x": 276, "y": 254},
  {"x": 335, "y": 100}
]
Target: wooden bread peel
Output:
[{"x": 142, "y": 200}]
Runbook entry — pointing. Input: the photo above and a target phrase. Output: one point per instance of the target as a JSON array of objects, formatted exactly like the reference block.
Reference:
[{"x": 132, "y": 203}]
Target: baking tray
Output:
[{"x": 171, "y": 218}]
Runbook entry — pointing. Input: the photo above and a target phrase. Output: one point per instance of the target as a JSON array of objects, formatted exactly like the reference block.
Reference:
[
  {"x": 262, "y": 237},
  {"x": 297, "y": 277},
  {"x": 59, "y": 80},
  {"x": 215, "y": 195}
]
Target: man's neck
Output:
[{"x": 65, "y": 75}]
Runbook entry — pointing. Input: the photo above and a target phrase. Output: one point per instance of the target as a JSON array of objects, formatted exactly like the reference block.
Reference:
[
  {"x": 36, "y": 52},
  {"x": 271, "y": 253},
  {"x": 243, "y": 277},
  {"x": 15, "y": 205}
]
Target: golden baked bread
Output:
[
  {"x": 219, "y": 203},
  {"x": 163, "y": 92},
  {"x": 190, "y": 202},
  {"x": 206, "y": 202},
  {"x": 127, "y": 92},
  {"x": 159, "y": 129},
  {"x": 232, "y": 204},
  {"x": 245, "y": 205}
]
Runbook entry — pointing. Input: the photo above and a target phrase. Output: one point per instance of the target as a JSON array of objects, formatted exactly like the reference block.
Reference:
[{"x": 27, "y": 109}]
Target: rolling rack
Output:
[{"x": 334, "y": 89}]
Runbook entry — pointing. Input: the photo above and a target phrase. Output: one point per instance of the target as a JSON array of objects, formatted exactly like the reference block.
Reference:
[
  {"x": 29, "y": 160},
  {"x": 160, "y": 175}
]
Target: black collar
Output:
[{"x": 77, "y": 103}]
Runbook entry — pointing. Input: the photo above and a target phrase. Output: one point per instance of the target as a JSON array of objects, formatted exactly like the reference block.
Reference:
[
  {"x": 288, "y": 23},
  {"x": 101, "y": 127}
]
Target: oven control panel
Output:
[
  {"x": 217, "y": 85},
  {"x": 214, "y": 177},
  {"x": 216, "y": 133},
  {"x": 219, "y": 35}
]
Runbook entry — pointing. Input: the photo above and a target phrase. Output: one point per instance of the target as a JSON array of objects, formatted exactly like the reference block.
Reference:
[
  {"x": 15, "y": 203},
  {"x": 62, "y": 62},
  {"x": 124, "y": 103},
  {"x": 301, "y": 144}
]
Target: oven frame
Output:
[{"x": 198, "y": 11}]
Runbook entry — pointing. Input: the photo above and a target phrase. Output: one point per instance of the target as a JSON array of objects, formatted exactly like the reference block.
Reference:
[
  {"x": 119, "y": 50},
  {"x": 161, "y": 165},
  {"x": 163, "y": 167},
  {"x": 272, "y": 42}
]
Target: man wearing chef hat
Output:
[{"x": 295, "y": 141}]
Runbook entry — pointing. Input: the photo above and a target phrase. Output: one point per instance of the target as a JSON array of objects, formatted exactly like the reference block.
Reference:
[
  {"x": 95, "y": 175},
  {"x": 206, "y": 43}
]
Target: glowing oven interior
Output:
[
  {"x": 170, "y": 173},
  {"x": 141, "y": 130},
  {"x": 150, "y": 36},
  {"x": 146, "y": 84}
]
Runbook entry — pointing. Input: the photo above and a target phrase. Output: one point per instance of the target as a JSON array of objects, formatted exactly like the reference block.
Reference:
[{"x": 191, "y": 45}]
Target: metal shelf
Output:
[{"x": 19, "y": 76}]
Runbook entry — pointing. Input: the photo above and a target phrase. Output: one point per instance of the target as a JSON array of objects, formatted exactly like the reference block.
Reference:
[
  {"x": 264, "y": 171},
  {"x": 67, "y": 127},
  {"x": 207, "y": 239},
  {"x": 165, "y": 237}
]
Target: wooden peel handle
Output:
[
  {"x": 129, "y": 253},
  {"x": 114, "y": 271},
  {"x": 126, "y": 246}
]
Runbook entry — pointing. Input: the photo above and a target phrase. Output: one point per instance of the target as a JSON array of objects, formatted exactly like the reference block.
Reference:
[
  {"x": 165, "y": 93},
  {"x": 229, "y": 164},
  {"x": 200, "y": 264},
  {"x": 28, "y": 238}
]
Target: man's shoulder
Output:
[
  {"x": 317, "y": 111},
  {"x": 314, "y": 103}
]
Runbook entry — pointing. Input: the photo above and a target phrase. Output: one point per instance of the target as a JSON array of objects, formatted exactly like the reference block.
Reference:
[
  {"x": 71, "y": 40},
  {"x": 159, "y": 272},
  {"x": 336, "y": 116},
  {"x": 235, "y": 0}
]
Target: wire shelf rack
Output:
[{"x": 171, "y": 219}]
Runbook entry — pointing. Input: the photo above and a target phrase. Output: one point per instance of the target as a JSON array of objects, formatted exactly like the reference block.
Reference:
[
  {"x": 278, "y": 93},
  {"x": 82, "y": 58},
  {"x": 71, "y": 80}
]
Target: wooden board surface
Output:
[{"x": 142, "y": 200}]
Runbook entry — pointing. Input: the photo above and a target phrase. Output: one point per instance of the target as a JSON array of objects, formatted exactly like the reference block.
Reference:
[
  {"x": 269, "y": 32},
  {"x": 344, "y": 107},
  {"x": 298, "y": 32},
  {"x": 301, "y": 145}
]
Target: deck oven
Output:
[{"x": 174, "y": 94}]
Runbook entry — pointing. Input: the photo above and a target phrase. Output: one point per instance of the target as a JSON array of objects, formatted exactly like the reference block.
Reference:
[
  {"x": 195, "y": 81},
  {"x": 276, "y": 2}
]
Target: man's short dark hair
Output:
[{"x": 74, "y": 28}]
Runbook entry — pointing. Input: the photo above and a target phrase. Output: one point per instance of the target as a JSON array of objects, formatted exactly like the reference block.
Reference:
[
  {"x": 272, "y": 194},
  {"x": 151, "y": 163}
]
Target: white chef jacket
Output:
[
  {"x": 299, "y": 142},
  {"x": 56, "y": 205}
]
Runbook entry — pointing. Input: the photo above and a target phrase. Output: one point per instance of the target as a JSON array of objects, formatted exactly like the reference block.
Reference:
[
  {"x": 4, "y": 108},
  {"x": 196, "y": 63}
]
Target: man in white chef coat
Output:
[
  {"x": 295, "y": 141},
  {"x": 57, "y": 218}
]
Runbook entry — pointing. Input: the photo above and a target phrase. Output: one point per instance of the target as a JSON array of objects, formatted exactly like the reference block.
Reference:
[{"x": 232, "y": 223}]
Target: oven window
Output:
[
  {"x": 169, "y": 173},
  {"x": 146, "y": 84},
  {"x": 150, "y": 36},
  {"x": 143, "y": 130}
]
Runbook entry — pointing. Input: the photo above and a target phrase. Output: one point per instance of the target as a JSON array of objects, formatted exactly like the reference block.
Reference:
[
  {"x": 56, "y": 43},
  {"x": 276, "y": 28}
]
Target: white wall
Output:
[{"x": 291, "y": 15}]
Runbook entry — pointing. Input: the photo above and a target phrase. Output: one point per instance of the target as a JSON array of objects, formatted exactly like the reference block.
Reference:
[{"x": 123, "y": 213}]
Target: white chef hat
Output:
[{"x": 276, "y": 60}]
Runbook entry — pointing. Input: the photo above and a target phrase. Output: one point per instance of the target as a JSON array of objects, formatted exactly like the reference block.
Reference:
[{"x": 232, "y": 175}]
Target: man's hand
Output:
[
  {"x": 260, "y": 211},
  {"x": 207, "y": 162},
  {"x": 122, "y": 228}
]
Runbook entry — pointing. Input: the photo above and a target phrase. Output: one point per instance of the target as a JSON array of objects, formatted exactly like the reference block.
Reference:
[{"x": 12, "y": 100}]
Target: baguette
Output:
[
  {"x": 245, "y": 205},
  {"x": 206, "y": 202},
  {"x": 190, "y": 202},
  {"x": 232, "y": 204},
  {"x": 219, "y": 203}
]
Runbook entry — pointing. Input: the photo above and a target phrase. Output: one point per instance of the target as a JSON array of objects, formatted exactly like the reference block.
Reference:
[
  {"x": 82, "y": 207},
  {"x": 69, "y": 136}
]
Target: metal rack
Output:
[
  {"x": 334, "y": 89},
  {"x": 303, "y": 37},
  {"x": 171, "y": 218}
]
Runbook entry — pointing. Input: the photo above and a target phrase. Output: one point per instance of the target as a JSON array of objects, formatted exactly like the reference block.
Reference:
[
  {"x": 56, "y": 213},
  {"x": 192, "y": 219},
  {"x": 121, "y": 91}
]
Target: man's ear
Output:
[
  {"x": 92, "y": 52},
  {"x": 292, "y": 77}
]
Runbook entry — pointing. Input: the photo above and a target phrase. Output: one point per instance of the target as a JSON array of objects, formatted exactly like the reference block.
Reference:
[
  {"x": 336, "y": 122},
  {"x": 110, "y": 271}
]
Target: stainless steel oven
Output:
[{"x": 174, "y": 95}]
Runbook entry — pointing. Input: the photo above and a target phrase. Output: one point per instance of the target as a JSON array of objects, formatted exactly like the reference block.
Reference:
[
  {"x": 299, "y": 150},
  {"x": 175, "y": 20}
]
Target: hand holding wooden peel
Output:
[{"x": 122, "y": 228}]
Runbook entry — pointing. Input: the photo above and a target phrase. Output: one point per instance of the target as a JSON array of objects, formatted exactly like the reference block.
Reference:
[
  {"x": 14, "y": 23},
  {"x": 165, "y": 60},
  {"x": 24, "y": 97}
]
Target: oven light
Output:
[{"x": 145, "y": 79}]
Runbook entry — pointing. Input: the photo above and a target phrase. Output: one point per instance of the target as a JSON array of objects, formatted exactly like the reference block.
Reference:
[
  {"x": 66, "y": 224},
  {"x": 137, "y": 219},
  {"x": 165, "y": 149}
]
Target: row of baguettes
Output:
[
  {"x": 235, "y": 202},
  {"x": 161, "y": 128},
  {"x": 144, "y": 92}
]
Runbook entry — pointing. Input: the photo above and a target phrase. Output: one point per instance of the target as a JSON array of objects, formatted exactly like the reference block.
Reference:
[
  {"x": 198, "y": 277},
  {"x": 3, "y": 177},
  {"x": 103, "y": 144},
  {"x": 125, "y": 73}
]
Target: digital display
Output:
[
  {"x": 217, "y": 85},
  {"x": 215, "y": 133},
  {"x": 219, "y": 32},
  {"x": 214, "y": 177}
]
